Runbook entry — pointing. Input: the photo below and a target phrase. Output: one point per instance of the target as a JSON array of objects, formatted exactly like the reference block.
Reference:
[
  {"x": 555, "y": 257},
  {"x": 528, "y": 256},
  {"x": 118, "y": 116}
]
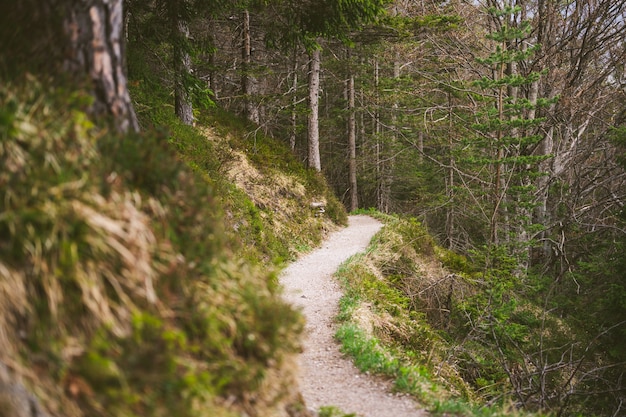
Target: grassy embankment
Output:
[
  {"x": 407, "y": 314},
  {"x": 138, "y": 272}
]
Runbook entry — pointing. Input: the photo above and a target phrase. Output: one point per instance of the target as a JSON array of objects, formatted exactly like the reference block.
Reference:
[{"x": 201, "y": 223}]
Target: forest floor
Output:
[{"x": 327, "y": 378}]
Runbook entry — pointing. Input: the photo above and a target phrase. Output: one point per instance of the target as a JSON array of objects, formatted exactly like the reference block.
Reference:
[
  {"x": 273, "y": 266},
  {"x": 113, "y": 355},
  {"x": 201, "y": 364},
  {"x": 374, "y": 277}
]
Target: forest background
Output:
[{"x": 499, "y": 125}]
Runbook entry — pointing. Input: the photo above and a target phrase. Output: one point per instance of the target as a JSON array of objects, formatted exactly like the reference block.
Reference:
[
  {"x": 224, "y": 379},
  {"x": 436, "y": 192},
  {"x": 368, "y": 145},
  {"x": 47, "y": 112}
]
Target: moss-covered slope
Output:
[{"x": 137, "y": 273}]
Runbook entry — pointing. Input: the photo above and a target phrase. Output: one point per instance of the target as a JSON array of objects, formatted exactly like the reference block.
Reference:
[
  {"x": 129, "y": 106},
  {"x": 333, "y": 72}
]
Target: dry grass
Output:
[
  {"x": 72, "y": 259},
  {"x": 282, "y": 199},
  {"x": 117, "y": 295},
  {"x": 405, "y": 297}
]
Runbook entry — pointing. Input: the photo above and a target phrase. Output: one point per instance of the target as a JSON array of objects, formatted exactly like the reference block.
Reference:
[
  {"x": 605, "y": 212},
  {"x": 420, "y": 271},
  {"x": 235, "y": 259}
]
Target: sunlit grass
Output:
[
  {"x": 332, "y": 411},
  {"x": 384, "y": 332}
]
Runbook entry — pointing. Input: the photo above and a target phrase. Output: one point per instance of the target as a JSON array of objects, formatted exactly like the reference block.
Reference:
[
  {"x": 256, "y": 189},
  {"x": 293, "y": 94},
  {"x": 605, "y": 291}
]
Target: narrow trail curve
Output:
[{"x": 326, "y": 377}]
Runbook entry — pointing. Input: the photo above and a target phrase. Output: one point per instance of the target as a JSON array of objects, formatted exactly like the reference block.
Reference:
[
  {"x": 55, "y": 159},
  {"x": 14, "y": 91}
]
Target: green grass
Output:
[
  {"x": 133, "y": 291},
  {"x": 332, "y": 411},
  {"x": 366, "y": 352},
  {"x": 401, "y": 341},
  {"x": 371, "y": 356},
  {"x": 456, "y": 407}
]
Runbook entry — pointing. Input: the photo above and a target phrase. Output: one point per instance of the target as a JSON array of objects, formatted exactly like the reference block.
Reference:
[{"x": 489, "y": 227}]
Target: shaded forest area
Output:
[{"x": 498, "y": 124}]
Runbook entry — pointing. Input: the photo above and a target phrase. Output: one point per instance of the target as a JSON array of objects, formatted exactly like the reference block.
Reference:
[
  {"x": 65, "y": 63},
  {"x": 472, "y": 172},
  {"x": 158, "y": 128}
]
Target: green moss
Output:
[
  {"x": 331, "y": 411},
  {"x": 127, "y": 282}
]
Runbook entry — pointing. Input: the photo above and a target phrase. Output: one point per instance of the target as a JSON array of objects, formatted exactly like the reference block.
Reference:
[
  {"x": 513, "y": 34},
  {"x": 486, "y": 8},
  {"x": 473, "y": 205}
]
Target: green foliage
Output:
[
  {"x": 417, "y": 236},
  {"x": 254, "y": 221},
  {"x": 401, "y": 336},
  {"x": 331, "y": 411},
  {"x": 460, "y": 408},
  {"x": 369, "y": 355},
  {"x": 121, "y": 272},
  {"x": 369, "y": 286},
  {"x": 506, "y": 136},
  {"x": 454, "y": 340},
  {"x": 456, "y": 262},
  {"x": 329, "y": 19}
]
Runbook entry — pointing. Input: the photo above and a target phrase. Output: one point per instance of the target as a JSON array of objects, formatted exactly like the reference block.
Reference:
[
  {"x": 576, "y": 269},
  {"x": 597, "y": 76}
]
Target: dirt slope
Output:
[{"x": 326, "y": 377}]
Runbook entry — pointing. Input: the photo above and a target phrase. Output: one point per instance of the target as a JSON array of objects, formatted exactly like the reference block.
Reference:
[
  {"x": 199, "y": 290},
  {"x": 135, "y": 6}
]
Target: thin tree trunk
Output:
[
  {"x": 294, "y": 103},
  {"x": 313, "y": 119},
  {"x": 375, "y": 130},
  {"x": 354, "y": 203},
  {"x": 383, "y": 174},
  {"x": 420, "y": 145},
  {"x": 450, "y": 213},
  {"x": 213, "y": 76},
  {"x": 498, "y": 181},
  {"x": 248, "y": 82},
  {"x": 182, "y": 99}
]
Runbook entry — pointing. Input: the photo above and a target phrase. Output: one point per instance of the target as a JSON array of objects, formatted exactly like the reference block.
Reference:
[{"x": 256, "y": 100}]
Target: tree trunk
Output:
[
  {"x": 248, "y": 82},
  {"x": 354, "y": 196},
  {"x": 313, "y": 125},
  {"x": 182, "y": 64},
  {"x": 294, "y": 103},
  {"x": 72, "y": 40},
  {"x": 384, "y": 161},
  {"x": 450, "y": 185},
  {"x": 499, "y": 183}
]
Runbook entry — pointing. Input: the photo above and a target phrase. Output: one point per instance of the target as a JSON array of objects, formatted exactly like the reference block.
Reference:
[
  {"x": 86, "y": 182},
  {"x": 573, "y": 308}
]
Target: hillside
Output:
[
  {"x": 139, "y": 277},
  {"x": 139, "y": 272},
  {"x": 140, "y": 256}
]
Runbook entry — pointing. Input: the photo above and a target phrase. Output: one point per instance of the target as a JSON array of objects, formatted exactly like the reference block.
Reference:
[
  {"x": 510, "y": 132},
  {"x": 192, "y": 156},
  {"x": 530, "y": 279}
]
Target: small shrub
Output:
[{"x": 331, "y": 411}]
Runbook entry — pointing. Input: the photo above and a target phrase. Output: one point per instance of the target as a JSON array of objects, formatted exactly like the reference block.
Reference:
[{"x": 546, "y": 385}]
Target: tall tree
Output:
[
  {"x": 248, "y": 81},
  {"x": 313, "y": 130},
  {"x": 306, "y": 24},
  {"x": 351, "y": 129},
  {"x": 505, "y": 131},
  {"x": 179, "y": 18},
  {"x": 167, "y": 26}
]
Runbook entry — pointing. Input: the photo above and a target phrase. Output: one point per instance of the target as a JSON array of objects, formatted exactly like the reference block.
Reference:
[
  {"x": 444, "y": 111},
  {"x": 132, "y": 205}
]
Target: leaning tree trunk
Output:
[{"x": 77, "y": 41}]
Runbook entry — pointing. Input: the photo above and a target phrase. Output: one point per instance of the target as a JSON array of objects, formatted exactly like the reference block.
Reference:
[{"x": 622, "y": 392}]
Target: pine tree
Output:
[{"x": 506, "y": 134}]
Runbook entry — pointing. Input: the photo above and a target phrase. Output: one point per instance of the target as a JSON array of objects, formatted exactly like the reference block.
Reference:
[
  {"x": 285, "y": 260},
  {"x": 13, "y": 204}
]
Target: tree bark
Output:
[
  {"x": 354, "y": 195},
  {"x": 248, "y": 82},
  {"x": 450, "y": 185},
  {"x": 182, "y": 99},
  {"x": 294, "y": 103},
  {"x": 75, "y": 41},
  {"x": 313, "y": 119}
]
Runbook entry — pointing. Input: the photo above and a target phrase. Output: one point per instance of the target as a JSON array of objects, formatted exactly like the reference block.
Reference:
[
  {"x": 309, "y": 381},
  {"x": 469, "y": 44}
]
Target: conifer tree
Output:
[
  {"x": 506, "y": 134},
  {"x": 307, "y": 24}
]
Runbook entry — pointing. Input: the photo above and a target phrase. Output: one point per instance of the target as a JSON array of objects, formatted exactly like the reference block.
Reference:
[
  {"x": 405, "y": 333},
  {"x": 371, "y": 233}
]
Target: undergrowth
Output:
[
  {"x": 137, "y": 276},
  {"x": 264, "y": 191},
  {"x": 397, "y": 319},
  {"x": 331, "y": 411},
  {"x": 121, "y": 284}
]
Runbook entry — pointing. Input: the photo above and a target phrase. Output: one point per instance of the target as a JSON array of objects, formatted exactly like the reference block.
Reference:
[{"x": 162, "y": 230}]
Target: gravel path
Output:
[{"x": 326, "y": 377}]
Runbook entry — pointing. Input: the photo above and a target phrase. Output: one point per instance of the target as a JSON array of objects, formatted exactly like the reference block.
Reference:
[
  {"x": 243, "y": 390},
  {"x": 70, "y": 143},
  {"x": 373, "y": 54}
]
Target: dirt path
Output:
[{"x": 326, "y": 377}]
